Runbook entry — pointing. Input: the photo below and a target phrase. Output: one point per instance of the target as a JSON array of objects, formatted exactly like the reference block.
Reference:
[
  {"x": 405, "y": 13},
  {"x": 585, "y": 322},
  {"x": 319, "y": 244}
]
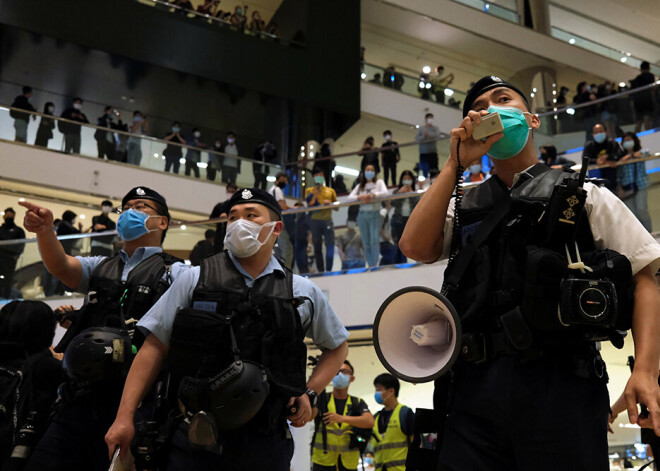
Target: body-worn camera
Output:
[{"x": 588, "y": 302}]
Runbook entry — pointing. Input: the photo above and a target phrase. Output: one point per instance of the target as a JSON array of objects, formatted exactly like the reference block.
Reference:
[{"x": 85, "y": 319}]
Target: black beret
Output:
[
  {"x": 482, "y": 86},
  {"x": 254, "y": 196},
  {"x": 144, "y": 193}
]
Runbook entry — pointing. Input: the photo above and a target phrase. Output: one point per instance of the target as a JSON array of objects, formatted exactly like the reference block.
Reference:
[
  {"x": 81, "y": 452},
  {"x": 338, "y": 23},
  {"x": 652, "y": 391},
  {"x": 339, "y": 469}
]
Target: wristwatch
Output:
[{"x": 313, "y": 397}]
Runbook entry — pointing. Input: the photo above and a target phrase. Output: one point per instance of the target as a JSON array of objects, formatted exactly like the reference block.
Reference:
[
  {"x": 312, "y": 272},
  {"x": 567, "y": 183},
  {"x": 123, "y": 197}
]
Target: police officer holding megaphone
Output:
[{"x": 542, "y": 266}]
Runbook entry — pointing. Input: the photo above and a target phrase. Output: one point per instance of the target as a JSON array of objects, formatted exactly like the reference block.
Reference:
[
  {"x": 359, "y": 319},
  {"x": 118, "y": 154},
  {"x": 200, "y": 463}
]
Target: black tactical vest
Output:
[
  {"x": 494, "y": 282},
  {"x": 112, "y": 302},
  {"x": 265, "y": 323}
]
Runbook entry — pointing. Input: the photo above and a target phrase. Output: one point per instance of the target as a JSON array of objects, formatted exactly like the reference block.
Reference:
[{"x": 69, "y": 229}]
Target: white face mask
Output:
[
  {"x": 106, "y": 209},
  {"x": 77, "y": 106},
  {"x": 429, "y": 121},
  {"x": 387, "y": 137},
  {"x": 197, "y": 133},
  {"x": 230, "y": 140},
  {"x": 242, "y": 238}
]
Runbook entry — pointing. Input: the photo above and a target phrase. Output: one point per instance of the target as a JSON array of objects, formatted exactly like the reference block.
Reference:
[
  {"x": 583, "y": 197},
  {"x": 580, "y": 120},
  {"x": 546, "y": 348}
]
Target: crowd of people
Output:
[{"x": 236, "y": 18}]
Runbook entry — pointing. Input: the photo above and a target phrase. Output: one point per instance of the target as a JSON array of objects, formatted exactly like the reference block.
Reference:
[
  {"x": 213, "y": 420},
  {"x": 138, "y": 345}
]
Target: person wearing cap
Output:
[
  {"x": 529, "y": 392},
  {"x": 102, "y": 245},
  {"x": 270, "y": 310},
  {"x": 119, "y": 289},
  {"x": 9, "y": 254}
]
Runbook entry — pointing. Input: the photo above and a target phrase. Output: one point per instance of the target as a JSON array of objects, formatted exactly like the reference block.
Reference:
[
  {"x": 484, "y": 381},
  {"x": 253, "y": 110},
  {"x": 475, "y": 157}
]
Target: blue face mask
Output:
[
  {"x": 176, "y": 129},
  {"x": 341, "y": 381},
  {"x": 379, "y": 397},
  {"x": 516, "y": 133},
  {"x": 368, "y": 460},
  {"x": 600, "y": 137},
  {"x": 132, "y": 224},
  {"x": 369, "y": 174},
  {"x": 319, "y": 180}
]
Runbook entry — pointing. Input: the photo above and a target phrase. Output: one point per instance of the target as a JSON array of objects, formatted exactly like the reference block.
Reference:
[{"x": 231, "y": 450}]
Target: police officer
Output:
[
  {"x": 513, "y": 400},
  {"x": 394, "y": 425},
  {"x": 336, "y": 417},
  {"x": 135, "y": 277},
  {"x": 239, "y": 312}
]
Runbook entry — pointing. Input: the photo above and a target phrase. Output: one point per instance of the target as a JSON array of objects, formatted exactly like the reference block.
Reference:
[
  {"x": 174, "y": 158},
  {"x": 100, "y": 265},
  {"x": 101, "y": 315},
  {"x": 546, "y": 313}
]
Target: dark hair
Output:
[
  {"x": 645, "y": 66},
  {"x": 27, "y": 89},
  {"x": 638, "y": 144},
  {"x": 317, "y": 169},
  {"x": 403, "y": 174},
  {"x": 106, "y": 203},
  {"x": 194, "y": 130},
  {"x": 107, "y": 108},
  {"x": 176, "y": 123},
  {"x": 77, "y": 99},
  {"x": 388, "y": 381},
  {"x": 28, "y": 323},
  {"x": 136, "y": 112},
  {"x": 369, "y": 139},
  {"x": 579, "y": 87},
  {"x": 209, "y": 233},
  {"x": 160, "y": 209},
  {"x": 69, "y": 216},
  {"x": 231, "y": 133},
  {"x": 387, "y": 131},
  {"x": 550, "y": 152},
  {"x": 428, "y": 115},
  {"x": 10, "y": 210},
  {"x": 280, "y": 174},
  {"x": 363, "y": 178},
  {"x": 349, "y": 364}
]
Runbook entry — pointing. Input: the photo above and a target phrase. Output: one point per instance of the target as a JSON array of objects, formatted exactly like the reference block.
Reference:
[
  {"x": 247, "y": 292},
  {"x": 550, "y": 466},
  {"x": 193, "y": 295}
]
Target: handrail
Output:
[{"x": 310, "y": 209}]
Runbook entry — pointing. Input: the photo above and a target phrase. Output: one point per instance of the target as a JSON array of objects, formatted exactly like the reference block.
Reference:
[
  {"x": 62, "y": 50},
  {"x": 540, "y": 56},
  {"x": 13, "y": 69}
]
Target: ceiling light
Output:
[
  {"x": 202, "y": 164},
  {"x": 82, "y": 216},
  {"x": 311, "y": 146},
  {"x": 421, "y": 84},
  {"x": 302, "y": 147},
  {"x": 532, "y": 95},
  {"x": 428, "y": 85},
  {"x": 622, "y": 84},
  {"x": 534, "y": 89},
  {"x": 21, "y": 199},
  {"x": 363, "y": 76},
  {"x": 570, "y": 111},
  {"x": 155, "y": 155},
  {"x": 571, "y": 41},
  {"x": 182, "y": 161},
  {"x": 628, "y": 54},
  {"x": 554, "y": 92},
  {"x": 270, "y": 178},
  {"x": 624, "y": 59},
  {"x": 449, "y": 92},
  {"x": 426, "y": 69},
  {"x": 554, "y": 85},
  {"x": 183, "y": 227}
]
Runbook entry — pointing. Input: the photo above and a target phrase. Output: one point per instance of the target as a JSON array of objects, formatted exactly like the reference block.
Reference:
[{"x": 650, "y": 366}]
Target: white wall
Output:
[{"x": 108, "y": 179}]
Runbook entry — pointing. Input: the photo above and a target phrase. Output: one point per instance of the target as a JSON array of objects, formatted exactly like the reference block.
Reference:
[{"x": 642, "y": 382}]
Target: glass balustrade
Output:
[
  {"x": 508, "y": 12},
  {"x": 342, "y": 236},
  {"x": 423, "y": 86},
  {"x": 87, "y": 140},
  {"x": 637, "y": 109}
]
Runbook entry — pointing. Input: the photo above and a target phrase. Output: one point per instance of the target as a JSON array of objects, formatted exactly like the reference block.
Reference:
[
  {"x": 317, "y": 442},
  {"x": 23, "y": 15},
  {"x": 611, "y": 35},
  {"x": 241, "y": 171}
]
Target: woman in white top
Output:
[{"x": 369, "y": 217}]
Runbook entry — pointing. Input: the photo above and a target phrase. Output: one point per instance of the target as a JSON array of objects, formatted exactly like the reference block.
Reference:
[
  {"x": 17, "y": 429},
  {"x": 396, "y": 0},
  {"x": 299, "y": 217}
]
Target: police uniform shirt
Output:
[
  {"x": 612, "y": 224},
  {"x": 140, "y": 254},
  {"x": 324, "y": 327}
]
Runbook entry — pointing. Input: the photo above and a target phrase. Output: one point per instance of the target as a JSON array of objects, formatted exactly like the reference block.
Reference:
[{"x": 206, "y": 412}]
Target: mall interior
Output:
[{"x": 187, "y": 98}]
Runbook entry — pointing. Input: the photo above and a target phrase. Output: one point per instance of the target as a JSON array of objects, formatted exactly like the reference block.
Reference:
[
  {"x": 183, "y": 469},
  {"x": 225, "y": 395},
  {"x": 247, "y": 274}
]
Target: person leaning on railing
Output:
[{"x": 633, "y": 180}]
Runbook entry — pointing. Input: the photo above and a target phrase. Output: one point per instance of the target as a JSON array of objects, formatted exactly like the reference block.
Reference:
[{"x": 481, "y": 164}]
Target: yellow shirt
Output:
[{"x": 326, "y": 196}]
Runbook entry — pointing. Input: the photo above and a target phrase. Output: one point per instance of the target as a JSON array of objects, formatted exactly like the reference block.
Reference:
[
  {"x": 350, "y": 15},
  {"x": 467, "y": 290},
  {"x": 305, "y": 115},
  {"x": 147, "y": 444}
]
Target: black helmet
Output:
[
  {"x": 98, "y": 353},
  {"x": 232, "y": 398}
]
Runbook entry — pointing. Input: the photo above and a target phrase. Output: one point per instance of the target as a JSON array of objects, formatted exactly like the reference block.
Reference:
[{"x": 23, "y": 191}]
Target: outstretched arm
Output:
[{"x": 62, "y": 266}]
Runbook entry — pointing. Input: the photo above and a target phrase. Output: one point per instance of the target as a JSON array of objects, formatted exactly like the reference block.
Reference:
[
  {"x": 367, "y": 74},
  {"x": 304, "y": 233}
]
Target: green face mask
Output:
[{"x": 516, "y": 133}]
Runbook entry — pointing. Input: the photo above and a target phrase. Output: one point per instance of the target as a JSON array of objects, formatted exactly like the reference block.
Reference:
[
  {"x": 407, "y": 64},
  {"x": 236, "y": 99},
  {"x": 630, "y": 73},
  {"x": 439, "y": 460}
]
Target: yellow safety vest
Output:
[
  {"x": 338, "y": 436},
  {"x": 391, "y": 448}
]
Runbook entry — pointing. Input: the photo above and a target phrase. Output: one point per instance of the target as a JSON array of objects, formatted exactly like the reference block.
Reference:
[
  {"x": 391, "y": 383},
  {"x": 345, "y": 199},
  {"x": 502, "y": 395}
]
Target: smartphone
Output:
[{"x": 490, "y": 124}]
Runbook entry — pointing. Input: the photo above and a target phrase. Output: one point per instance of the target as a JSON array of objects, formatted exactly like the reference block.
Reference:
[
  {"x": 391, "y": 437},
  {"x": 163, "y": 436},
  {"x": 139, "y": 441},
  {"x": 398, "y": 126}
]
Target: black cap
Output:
[
  {"x": 106, "y": 203},
  {"x": 254, "y": 196},
  {"x": 144, "y": 193},
  {"x": 482, "y": 86}
]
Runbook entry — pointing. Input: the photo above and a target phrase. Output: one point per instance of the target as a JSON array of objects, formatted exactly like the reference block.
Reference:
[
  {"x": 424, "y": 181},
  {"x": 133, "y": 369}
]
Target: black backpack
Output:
[{"x": 11, "y": 380}]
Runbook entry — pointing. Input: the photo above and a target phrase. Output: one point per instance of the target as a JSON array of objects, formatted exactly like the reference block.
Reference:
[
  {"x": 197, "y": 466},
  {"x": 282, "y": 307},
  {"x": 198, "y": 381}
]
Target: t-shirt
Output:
[
  {"x": 389, "y": 155},
  {"x": 277, "y": 193},
  {"x": 340, "y": 406},
  {"x": 594, "y": 150},
  {"x": 327, "y": 195},
  {"x": 407, "y": 420}
]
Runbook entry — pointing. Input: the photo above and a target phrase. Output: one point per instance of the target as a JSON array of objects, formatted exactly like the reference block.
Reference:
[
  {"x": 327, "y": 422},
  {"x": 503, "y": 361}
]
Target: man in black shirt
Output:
[
  {"x": 390, "y": 156},
  {"x": 9, "y": 253},
  {"x": 71, "y": 131},
  {"x": 203, "y": 248},
  {"x": 643, "y": 101},
  {"x": 21, "y": 120},
  {"x": 102, "y": 245},
  {"x": 105, "y": 141},
  {"x": 602, "y": 150}
]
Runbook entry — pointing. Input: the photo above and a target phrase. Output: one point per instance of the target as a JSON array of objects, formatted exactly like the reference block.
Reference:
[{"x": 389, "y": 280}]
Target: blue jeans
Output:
[
  {"x": 349, "y": 264},
  {"x": 369, "y": 224},
  {"x": 134, "y": 152},
  {"x": 323, "y": 229},
  {"x": 638, "y": 203}
]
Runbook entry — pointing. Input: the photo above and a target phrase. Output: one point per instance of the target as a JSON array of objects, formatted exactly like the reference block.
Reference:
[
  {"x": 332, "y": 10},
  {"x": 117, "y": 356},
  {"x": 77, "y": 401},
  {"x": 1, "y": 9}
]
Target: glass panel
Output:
[
  {"x": 629, "y": 110},
  {"x": 116, "y": 144},
  {"x": 506, "y": 9},
  {"x": 425, "y": 86}
]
